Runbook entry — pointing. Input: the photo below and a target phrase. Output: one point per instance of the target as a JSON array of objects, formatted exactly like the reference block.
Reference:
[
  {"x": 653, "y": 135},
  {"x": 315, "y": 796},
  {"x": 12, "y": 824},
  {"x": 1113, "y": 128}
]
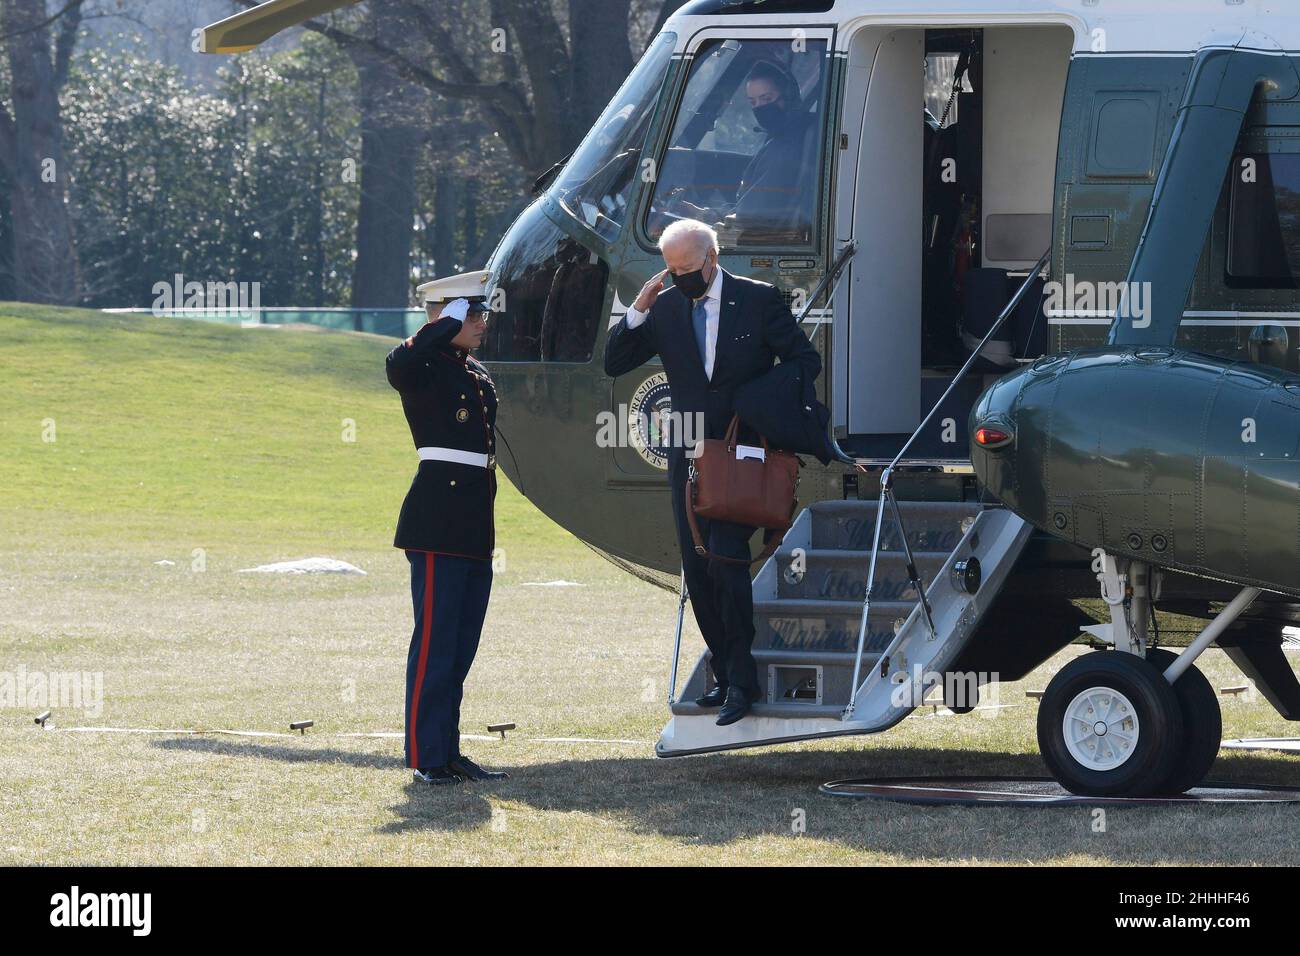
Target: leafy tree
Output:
[
  {"x": 249, "y": 184},
  {"x": 296, "y": 145},
  {"x": 152, "y": 177},
  {"x": 342, "y": 164}
]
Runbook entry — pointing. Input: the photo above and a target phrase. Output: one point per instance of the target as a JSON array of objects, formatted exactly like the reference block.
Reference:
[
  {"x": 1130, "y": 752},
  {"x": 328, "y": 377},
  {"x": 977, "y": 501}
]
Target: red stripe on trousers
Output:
[{"x": 424, "y": 657}]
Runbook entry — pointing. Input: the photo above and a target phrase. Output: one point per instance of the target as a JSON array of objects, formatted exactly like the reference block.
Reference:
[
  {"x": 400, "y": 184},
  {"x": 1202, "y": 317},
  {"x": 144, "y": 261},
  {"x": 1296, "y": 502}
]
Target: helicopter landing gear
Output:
[
  {"x": 1202, "y": 724},
  {"x": 1134, "y": 721},
  {"x": 1110, "y": 725}
]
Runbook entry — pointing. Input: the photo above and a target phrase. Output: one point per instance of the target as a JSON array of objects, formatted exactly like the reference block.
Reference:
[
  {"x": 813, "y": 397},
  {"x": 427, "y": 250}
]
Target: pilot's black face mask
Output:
[{"x": 770, "y": 116}]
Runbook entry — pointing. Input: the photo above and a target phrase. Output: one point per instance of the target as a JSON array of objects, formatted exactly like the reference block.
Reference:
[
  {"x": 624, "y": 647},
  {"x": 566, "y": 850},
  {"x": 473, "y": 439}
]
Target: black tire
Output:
[
  {"x": 1148, "y": 759},
  {"x": 1202, "y": 725}
]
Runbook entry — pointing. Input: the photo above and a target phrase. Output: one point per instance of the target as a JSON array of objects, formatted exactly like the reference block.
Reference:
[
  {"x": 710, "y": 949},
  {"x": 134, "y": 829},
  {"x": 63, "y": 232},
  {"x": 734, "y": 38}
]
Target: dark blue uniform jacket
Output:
[{"x": 450, "y": 402}]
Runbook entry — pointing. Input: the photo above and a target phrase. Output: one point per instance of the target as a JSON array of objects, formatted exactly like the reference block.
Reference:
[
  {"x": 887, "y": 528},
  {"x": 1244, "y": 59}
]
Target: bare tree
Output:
[
  {"x": 539, "y": 76},
  {"x": 39, "y": 46},
  {"x": 394, "y": 113},
  {"x": 537, "y": 72}
]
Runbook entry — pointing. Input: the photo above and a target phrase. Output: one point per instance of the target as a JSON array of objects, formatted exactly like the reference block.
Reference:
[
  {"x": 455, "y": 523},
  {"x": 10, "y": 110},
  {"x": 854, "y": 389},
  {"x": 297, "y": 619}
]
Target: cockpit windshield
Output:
[
  {"x": 745, "y": 150},
  {"x": 595, "y": 185}
]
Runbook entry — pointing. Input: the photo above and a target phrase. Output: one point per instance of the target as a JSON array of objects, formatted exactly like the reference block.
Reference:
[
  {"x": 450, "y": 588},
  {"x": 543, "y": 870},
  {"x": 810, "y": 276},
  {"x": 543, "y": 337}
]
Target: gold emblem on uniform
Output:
[{"x": 462, "y": 415}]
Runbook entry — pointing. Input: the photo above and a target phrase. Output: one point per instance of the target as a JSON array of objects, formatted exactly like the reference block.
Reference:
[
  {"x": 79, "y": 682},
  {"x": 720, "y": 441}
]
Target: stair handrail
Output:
[
  {"x": 833, "y": 275},
  {"x": 682, "y": 595},
  {"x": 887, "y": 494}
]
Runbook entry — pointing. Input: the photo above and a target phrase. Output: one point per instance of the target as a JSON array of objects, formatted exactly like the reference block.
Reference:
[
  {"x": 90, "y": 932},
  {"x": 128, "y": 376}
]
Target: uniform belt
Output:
[{"x": 429, "y": 453}]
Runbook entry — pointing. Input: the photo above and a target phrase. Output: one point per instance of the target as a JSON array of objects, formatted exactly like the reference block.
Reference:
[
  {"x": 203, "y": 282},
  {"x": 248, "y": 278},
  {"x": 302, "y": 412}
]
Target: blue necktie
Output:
[{"x": 701, "y": 320}]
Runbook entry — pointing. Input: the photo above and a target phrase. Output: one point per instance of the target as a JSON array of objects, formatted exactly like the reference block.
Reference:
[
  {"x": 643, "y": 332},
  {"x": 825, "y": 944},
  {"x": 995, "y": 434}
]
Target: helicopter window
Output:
[
  {"x": 942, "y": 87},
  {"x": 1264, "y": 221},
  {"x": 595, "y": 184},
  {"x": 552, "y": 293},
  {"x": 745, "y": 150}
]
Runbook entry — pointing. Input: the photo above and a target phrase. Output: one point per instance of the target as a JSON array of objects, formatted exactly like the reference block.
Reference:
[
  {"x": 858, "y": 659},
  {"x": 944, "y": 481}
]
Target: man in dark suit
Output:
[
  {"x": 713, "y": 332},
  {"x": 446, "y": 528}
]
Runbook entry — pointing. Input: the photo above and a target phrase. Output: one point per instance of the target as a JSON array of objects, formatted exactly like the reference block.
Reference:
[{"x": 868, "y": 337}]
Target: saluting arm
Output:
[
  {"x": 786, "y": 338},
  {"x": 412, "y": 353}
]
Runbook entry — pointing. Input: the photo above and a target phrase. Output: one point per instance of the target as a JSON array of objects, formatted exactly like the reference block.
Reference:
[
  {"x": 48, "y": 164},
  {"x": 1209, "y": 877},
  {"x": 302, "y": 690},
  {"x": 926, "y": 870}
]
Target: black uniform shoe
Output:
[
  {"x": 436, "y": 775},
  {"x": 736, "y": 707},
  {"x": 469, "y": 770},
  {"x": 713, "y": 698}
]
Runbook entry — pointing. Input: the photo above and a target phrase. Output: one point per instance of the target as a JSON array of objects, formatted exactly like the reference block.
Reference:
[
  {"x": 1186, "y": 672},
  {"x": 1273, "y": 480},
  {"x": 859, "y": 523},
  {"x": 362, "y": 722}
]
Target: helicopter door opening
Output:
[{"x": 950, "y": 202}]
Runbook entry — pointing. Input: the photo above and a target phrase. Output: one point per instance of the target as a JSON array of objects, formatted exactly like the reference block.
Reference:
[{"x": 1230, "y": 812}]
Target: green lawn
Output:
[{"x": 218, "y": 448}]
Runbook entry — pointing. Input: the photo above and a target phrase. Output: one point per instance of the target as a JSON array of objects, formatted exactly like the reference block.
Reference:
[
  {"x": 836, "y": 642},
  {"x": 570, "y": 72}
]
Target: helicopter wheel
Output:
[
  {"x": 1110, "y": 725},
  {"x": 1202, "y": 725},
  {"x": 966, "y": 703}
]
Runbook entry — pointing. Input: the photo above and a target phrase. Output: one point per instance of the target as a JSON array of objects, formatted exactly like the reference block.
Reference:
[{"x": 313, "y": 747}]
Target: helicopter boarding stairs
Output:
[
  {"x": 808, "y": 610},
  {"x": 849, "y": 636}
]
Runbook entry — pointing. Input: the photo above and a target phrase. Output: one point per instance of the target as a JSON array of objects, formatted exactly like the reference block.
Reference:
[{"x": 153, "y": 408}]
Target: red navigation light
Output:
[{"x": 991, "y": 437}]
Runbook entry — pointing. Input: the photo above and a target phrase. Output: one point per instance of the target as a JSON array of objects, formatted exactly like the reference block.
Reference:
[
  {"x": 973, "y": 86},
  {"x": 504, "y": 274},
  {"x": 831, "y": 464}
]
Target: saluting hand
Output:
[{"x": 649, "y": 292}]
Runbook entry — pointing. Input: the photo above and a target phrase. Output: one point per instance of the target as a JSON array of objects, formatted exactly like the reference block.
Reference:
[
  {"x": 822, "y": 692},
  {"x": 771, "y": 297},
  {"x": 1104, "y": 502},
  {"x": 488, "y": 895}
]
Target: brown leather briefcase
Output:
[{"x": 745, "y": 489}]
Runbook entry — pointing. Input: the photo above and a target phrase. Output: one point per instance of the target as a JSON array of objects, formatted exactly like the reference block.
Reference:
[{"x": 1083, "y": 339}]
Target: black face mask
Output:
[
  {"x": 770, "y": 116},
  {"x": 692, "y": 284}
]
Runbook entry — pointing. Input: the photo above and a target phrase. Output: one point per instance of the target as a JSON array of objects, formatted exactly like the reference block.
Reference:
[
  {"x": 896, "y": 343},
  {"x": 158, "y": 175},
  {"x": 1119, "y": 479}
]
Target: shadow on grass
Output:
[
  {"x": 452, "y": 808},
  {"x": 715, "y": 801}
]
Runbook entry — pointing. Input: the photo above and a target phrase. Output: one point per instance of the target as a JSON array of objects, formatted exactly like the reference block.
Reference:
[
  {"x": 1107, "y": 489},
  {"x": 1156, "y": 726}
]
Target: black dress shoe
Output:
[
  {"x": 471, "y": 771},
  {"x": 714, "y": 698},
  {"x": 436, "y": 776},
  {"x": 736, "y": 707}
]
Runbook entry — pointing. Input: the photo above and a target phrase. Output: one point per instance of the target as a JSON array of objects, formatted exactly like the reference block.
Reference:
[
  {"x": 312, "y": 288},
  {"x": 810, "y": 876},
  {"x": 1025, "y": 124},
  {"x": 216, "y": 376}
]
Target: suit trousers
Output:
[
  {"x": 450, "y": 597},
  {"x": 722, "y": 597}
]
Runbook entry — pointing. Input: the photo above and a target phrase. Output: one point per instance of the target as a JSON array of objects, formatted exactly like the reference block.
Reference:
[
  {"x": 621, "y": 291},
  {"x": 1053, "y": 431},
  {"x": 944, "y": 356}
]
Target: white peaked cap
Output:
[
  {"x": 466, "y": 285},
  {"x": 456, "y": 309}
]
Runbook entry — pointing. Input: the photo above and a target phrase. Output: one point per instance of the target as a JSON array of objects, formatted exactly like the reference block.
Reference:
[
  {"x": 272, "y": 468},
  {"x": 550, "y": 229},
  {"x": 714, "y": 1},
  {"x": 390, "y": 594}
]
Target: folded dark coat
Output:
[{"x": 782, "y": 406}]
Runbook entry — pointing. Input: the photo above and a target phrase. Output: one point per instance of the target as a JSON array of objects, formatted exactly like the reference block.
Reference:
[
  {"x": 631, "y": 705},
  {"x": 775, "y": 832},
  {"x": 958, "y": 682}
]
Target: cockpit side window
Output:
[
  {"x": 549, "y": 295},
  {"x": 595, "y": 186},
  {"x": 745, "y": 149}
]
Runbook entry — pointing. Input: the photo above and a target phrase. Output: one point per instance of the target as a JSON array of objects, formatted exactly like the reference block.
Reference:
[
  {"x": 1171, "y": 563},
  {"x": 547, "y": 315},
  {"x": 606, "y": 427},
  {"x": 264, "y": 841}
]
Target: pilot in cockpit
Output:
[{"x": 770, "y": 199}]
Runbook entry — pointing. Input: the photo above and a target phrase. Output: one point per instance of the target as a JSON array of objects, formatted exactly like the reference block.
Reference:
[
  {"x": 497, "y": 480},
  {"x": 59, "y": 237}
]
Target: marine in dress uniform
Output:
[{"x": 446, "y": 528}]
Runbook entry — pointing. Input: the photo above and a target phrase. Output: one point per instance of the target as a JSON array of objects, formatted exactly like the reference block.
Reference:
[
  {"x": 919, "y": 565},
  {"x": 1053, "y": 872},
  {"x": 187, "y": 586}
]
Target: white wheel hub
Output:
[{"x": 1100, "y": 728}]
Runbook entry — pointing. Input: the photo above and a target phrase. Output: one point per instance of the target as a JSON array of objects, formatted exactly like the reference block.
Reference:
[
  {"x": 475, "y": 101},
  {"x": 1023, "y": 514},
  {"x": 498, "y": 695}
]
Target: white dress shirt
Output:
[{"x": 712, "y": 306}]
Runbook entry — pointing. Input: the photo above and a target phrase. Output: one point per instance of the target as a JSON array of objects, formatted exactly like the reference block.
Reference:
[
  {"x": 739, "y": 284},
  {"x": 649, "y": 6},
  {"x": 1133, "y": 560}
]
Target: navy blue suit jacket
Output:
[{"x": 755, "y": 327}]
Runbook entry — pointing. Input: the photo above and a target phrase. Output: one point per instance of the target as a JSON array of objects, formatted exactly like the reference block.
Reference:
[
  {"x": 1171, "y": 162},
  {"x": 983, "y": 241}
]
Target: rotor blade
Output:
[{"x": 246, "y": 30}]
